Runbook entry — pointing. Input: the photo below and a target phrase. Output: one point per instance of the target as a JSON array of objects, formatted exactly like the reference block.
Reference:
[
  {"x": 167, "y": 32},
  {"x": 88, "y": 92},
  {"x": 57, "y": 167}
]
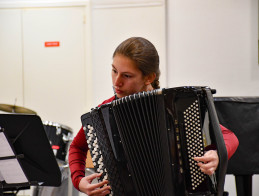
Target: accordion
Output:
[{"x": 144, "y": 144}]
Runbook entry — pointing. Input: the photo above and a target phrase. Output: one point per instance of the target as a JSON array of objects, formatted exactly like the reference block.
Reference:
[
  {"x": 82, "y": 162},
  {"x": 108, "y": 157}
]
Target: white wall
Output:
[
  {"x": 52, "y": 81},
  {"x": 214, "y": 43},
  {"x": 113, "y": 22},
  {"x": 11, "y": 57}
]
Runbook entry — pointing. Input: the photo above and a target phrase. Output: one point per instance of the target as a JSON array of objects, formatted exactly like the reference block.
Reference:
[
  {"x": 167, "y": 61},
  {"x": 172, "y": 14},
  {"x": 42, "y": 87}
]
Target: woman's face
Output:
[{"x": 127, "y": 79}]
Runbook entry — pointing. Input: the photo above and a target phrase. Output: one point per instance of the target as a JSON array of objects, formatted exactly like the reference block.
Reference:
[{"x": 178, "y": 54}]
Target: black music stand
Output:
[
  {"x": 26, "y": 157},
  {"x": 241, "y": 115}
]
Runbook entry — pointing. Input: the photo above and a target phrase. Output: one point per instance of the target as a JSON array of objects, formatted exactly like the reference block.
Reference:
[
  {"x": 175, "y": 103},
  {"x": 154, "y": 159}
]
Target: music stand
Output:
[
  {"x": 241, "y": 115},
  {"x": 26, "y": 157}
]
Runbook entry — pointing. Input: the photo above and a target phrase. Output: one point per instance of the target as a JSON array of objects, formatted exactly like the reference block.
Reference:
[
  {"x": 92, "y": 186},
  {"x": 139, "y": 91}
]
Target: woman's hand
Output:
[
  {"x": 86, "y": 187},
  {"x": 208, "y": 163}
]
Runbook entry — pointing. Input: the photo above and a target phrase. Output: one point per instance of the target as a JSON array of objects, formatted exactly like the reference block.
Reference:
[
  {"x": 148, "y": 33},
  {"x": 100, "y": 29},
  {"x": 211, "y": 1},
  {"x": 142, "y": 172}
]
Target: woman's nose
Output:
[{"x": 118, "y": 80}]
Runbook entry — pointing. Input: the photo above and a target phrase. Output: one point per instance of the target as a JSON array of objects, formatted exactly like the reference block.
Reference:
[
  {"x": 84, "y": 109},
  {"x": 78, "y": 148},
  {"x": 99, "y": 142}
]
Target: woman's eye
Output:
[
  {"x": 127, "y": 76},
  {"x": 114, "y": 71}
]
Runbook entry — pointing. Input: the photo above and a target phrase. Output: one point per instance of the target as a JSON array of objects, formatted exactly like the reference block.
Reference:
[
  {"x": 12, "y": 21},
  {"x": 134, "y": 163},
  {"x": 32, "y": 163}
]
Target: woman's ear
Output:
[{"x": 150, "y": 78}]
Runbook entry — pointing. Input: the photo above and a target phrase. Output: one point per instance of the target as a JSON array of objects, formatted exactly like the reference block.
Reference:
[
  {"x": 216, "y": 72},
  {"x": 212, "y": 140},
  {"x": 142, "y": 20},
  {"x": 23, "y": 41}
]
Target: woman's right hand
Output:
[{"x": 86, "y": 186}]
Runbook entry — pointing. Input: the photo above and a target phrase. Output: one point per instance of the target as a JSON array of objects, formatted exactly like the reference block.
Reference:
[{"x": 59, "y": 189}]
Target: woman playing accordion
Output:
[{"x": 135, "y": 69}]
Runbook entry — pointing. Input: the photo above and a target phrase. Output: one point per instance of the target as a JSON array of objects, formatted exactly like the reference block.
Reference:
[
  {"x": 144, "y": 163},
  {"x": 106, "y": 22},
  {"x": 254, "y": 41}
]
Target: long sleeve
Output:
[
  {"x": 231, "y": 141},
  {"x": 78, "y": 153},
  {"x": 77, "y": 157}
]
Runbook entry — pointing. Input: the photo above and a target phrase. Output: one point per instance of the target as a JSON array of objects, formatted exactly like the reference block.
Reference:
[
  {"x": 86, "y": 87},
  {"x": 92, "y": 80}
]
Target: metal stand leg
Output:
[{"x": 244, "y": 185}]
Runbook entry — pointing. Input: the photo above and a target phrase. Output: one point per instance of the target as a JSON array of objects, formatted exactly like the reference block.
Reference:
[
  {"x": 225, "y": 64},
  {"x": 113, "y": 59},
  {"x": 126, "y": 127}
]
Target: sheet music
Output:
[
  {"x": 10, "y": 169},
  {"x": 12, "y": 172},
  {"x": 5, "y": 149}
]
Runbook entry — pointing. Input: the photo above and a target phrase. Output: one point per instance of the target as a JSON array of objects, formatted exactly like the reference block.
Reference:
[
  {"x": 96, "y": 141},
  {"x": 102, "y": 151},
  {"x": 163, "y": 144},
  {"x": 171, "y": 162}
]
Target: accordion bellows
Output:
[{"x": 144, "y": 143}]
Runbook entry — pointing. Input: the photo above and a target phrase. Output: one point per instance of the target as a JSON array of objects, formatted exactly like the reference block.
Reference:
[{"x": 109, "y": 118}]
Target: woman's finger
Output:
[
  {"x": 101, "y": 191},
  {"x": 93, "y": 176}
]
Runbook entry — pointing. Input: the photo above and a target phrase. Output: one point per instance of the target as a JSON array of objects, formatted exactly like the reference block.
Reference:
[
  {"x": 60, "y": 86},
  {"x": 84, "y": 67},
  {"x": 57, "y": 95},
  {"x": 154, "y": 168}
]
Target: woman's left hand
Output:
[{"x": 208, "y": 163}]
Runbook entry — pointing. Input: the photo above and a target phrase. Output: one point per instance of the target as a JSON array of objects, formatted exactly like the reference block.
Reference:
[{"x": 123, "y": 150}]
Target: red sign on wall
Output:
[{"x": 52, "y": 44}]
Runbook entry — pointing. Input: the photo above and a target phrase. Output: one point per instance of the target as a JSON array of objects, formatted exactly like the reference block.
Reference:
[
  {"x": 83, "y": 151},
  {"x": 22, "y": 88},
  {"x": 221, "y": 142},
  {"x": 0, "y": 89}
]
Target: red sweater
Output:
[{"x": 78, "y": 150}]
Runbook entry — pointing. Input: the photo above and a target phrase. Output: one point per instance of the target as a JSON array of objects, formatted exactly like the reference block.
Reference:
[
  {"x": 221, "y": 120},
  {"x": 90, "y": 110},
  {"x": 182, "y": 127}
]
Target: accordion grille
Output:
[{"x": 194, "y": 141}]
